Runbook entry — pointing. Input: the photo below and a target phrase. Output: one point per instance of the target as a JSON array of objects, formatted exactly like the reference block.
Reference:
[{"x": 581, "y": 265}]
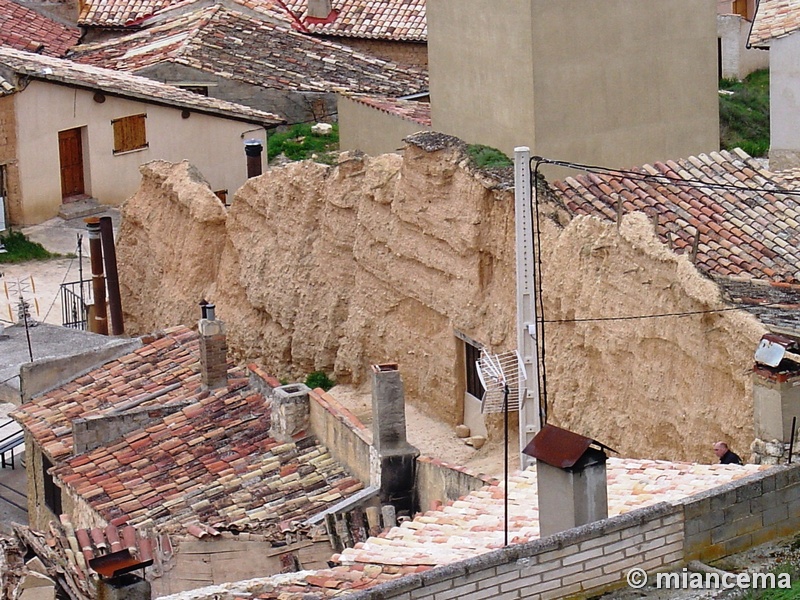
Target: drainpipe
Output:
[
  {"x": 98, "y": 323},
  {"x": 253, "y": 148},
  {"x": 112, "y": 277}
]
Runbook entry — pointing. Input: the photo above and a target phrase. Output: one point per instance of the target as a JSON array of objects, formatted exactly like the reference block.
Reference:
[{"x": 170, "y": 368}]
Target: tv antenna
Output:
[{"x": 502, "y": 377}]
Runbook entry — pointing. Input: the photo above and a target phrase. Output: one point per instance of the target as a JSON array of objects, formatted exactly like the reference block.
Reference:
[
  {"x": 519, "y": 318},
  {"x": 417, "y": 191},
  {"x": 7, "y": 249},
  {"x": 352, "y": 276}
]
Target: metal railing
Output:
[{"x": 75, "y": 299}]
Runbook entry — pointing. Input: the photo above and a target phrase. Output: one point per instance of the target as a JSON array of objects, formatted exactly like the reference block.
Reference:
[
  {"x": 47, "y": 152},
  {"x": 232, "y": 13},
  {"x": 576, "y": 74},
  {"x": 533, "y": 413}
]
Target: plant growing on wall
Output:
[{"x": 319, "y": 379}]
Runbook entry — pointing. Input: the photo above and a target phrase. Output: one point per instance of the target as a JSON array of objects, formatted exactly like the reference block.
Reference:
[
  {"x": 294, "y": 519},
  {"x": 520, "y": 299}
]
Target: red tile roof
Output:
[
  {"x": 210, "y": 464},
  {"x": 409, "y": 110},
  {"x": 230, "y": 43},
  {"x": 396, "y": 20},
  {"x": 747, "y": 226},
  {"x": 25, "y": 29},
  {"x": 774, "y": 19},
  {"x": 474, "y": 525}
]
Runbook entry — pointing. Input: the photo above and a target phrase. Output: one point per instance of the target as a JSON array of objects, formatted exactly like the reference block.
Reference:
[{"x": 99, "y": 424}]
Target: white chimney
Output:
[{"x": 320, "y": 9}]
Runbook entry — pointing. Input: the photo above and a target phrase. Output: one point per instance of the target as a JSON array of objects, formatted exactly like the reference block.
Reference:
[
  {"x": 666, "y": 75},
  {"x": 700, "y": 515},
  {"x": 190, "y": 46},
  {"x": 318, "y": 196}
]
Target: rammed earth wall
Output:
[{"x": 593, "y": 558}]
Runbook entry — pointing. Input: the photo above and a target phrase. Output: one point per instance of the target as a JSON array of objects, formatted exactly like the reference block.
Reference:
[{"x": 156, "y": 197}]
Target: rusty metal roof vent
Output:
[
  {"x": 774, "y": 348},
  {"x": 118, "y": 563},
  {"x": 565, "y": 449}
]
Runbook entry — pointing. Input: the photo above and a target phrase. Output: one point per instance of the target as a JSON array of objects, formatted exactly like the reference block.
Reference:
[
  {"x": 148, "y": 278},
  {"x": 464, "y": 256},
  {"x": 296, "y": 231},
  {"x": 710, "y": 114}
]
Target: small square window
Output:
[{"x": 129, "y": 133}]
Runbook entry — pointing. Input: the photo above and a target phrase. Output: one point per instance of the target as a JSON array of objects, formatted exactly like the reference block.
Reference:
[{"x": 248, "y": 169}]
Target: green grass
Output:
[
  {"x": 778, "y": 593},
  {"x": 319, "y": 379},
  {"x": 744, "y": 115},
  {"x": 298, "y": 143},
  {"x": 20, "y": 249},
  {"x": 486, "y": 157}
]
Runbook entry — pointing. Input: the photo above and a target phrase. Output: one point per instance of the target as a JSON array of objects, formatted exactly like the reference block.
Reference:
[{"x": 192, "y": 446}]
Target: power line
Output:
[{"x": 662, "y": 315}]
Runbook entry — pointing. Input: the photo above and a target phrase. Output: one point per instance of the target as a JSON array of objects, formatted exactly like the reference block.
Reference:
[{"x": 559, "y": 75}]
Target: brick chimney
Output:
[{"x": 213, "y": 349}]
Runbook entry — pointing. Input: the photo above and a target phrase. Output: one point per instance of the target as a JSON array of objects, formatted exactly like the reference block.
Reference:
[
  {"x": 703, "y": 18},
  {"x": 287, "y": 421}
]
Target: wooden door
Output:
[{"x": 70, "y": 152}]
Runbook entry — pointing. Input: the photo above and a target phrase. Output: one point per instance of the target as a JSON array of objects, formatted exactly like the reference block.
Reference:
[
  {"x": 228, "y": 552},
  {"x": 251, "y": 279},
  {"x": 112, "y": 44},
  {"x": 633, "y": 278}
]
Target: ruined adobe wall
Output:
[{"x": 381, "y": 259}]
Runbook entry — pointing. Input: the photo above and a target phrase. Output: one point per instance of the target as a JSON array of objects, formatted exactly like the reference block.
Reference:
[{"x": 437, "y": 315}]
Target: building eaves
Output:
[
  {"x": 774, "y": 19},
  {"x": 65, "y": 72},
  {"x": 25, "y": 29}
]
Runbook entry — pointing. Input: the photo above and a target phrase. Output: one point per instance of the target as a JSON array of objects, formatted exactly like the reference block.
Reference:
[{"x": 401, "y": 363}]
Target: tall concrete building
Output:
[{"x": 616, "y": 83}]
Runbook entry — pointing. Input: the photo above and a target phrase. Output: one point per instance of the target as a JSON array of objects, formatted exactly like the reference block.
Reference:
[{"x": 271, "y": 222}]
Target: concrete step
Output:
[{"x": 80, "y": 208}]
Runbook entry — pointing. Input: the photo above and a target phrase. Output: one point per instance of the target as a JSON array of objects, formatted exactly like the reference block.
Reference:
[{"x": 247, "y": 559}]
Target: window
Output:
[
  {"x": 129, "y": 133},
  {"x": 52, "y": 493}
]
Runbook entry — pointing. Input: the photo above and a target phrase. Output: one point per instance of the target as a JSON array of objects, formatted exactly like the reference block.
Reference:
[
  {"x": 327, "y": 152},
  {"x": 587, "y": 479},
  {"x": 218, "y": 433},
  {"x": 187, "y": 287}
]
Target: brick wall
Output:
[{"x": 594, "y": 558}]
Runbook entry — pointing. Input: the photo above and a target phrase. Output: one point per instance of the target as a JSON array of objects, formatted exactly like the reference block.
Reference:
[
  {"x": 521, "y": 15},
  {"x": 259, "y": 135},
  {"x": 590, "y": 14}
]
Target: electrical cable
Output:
[
  {"x": 664, "y": 315},
  {"x": 58, "y": 293}
]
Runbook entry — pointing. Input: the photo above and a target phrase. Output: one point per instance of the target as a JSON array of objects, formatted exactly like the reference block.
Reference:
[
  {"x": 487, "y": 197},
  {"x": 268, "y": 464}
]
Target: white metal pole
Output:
[{"x": 528, "y": 348}]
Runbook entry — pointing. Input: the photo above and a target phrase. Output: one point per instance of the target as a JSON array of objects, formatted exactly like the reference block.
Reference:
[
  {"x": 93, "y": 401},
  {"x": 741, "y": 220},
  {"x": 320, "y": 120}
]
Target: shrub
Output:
[{"x": 319, "y": 379}]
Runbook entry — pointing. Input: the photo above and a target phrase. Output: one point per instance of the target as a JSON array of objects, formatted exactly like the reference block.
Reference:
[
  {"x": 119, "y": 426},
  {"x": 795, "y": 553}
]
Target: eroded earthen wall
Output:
[{"x": 381, "y": 259}]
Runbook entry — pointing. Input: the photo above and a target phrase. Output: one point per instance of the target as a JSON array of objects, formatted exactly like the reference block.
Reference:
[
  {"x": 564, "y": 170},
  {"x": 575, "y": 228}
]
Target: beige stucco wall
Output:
[
  {"x": 784, "y": 103},
  {"x": 737, "y": 60},
  {"x": 370, "y": 130},
  {"x": 214, "y": 145},
  {"x": 618, "y": 83}
]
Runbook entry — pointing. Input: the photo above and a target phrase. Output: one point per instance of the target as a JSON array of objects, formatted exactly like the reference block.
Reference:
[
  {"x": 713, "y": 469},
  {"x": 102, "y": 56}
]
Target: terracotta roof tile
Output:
[
  {"x": 409, "y": 110},
  {"x": 25, "y": 29},
  {"x": 397, "y": 20},
  {"x": 211, "y": 463},
  {"x": 719, "y": 201},
  {"x": 124, "y": 84},
  {"x": 232, "y": 44},
  {"x": 774, "y": 19},
  {"x": 474, "y": 524}
]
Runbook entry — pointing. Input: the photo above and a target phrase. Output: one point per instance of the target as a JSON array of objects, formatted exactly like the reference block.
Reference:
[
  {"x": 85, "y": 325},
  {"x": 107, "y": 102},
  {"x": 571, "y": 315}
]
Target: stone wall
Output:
[
  {"x": 405, "y": 53},
  {"x": 385, "y": 258}
]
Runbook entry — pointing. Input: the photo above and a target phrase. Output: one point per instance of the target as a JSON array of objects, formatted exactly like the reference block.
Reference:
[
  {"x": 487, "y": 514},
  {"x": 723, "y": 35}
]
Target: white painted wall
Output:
[
  {"x": 784, "y": 102},
  {"x": 737, "y": 61},
  {"x": 213, "y": 144}
]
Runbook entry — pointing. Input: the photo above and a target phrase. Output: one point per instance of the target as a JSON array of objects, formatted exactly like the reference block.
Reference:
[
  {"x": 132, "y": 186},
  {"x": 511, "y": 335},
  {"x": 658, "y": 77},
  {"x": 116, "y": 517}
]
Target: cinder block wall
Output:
[{"x": 742, "y": 514}]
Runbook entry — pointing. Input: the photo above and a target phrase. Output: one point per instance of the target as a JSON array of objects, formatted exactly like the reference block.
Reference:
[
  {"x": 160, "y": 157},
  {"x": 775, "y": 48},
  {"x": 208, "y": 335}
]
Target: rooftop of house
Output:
[
  {"x": 232, "y": 43},
  {"x": 748, "y": 219},
  {"x": 395, "y": 20},
  {"x": 204, "y": 462},
  {"x": 25, "y": 29},
  {"x": 774, "y": 19},
  {"x": 474, "y": 525},
  {"x": 15, "y": 64},
  {"x": 409, "y": 110}
]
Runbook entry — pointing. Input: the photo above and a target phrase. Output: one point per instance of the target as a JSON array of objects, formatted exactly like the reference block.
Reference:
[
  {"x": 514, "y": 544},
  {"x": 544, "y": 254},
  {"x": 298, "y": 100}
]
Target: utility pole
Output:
[{"x": 527, "y": 337}]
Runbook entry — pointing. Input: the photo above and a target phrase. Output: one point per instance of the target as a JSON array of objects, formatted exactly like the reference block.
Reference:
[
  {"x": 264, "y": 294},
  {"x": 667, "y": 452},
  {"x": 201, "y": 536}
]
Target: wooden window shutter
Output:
[{"x": 130, "y": 133}]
